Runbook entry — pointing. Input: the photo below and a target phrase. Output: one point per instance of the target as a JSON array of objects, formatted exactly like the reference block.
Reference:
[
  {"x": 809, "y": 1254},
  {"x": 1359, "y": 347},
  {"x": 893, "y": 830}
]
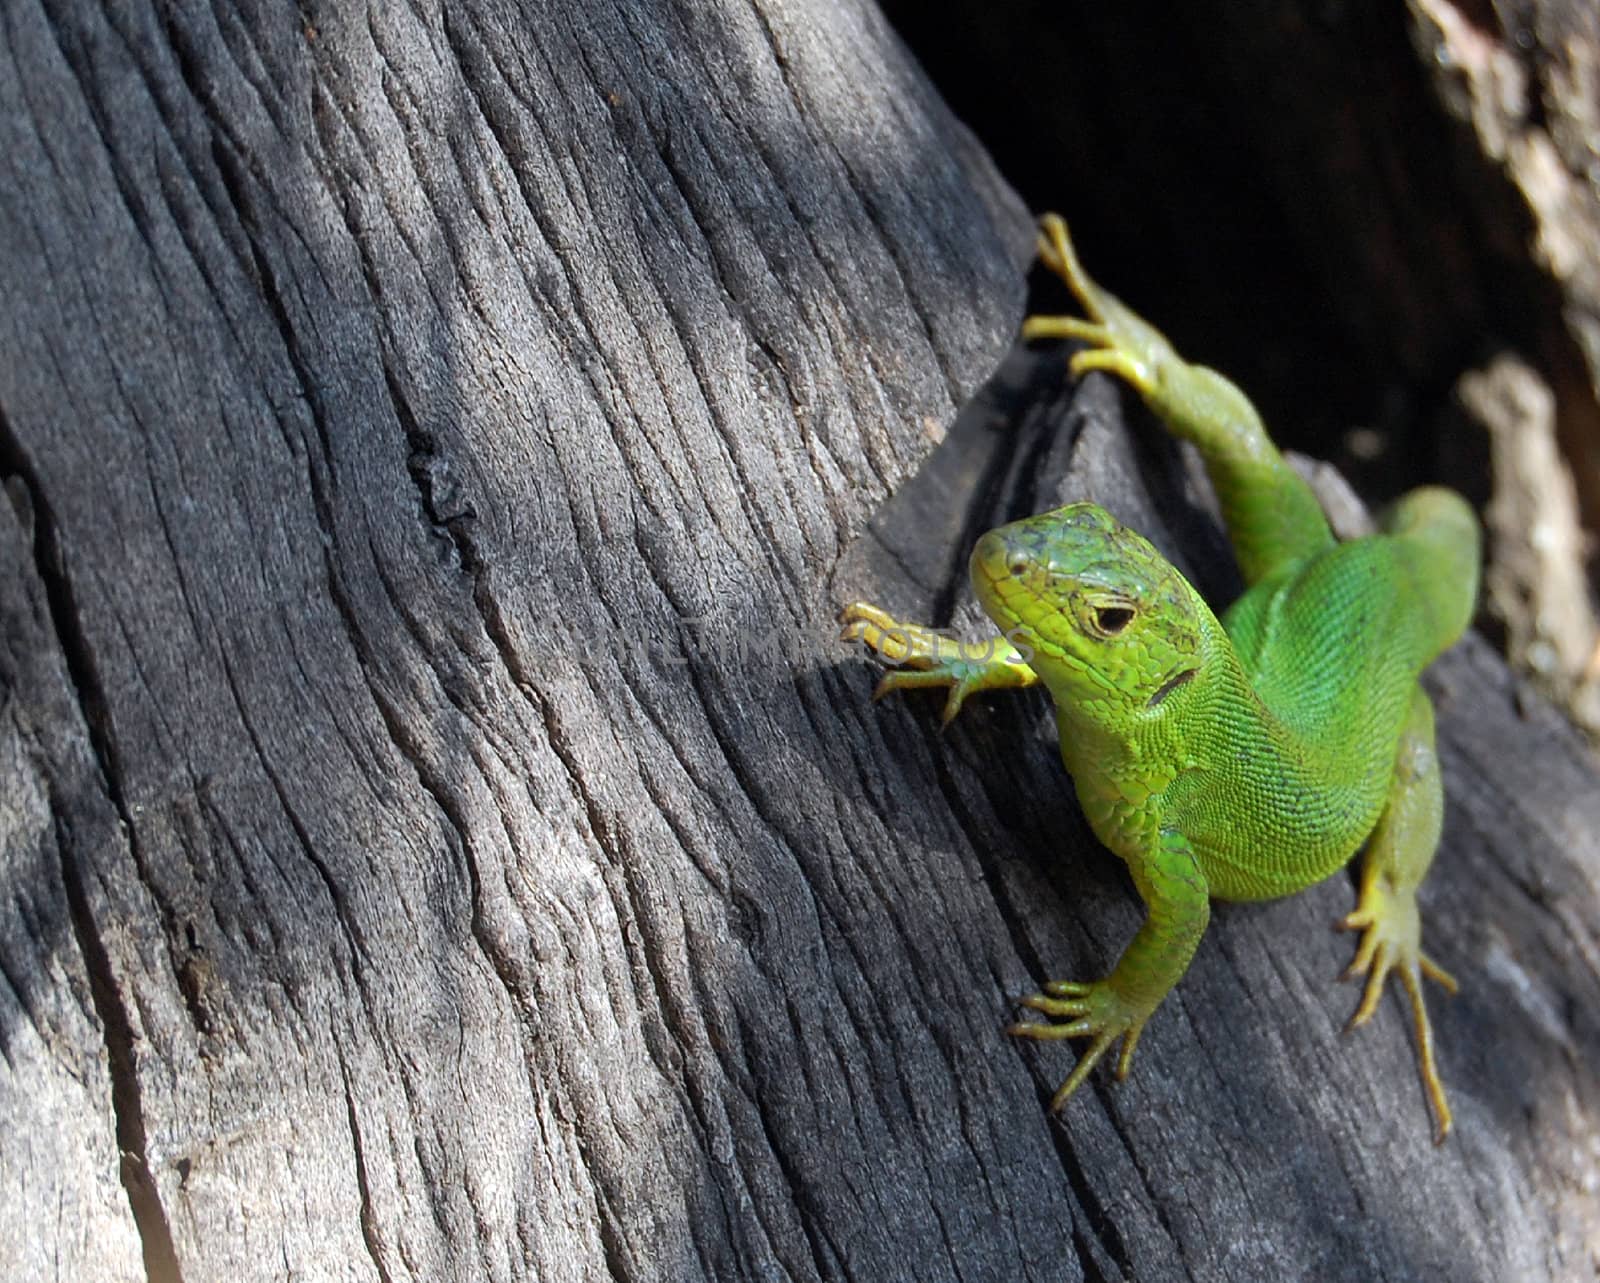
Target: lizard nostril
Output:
[{"x": 992, "y": 558}]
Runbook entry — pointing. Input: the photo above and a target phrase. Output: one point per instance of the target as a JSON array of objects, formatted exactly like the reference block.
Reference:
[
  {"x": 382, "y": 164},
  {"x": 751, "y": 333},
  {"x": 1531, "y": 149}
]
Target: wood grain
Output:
[{"x": 443, "y": 839}]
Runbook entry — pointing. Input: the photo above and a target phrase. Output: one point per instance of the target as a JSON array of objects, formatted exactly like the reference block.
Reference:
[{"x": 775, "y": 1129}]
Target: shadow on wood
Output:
[{"x": 404, "y": 416}]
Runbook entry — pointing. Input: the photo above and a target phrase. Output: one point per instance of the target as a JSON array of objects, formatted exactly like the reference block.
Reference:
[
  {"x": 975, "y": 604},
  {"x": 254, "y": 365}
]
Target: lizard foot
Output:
[
  {"x": 1119, "y": 340},
  {"x": 1391, "y": 941},
  {"x": 1091, "y": 1009},
  {"x": 930, "y": 657}
]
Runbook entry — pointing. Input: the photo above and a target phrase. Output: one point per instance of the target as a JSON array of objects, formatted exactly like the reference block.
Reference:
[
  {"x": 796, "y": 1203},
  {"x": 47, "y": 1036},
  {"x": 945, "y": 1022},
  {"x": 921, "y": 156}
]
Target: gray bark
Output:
[{"x": 405, "y": 415}]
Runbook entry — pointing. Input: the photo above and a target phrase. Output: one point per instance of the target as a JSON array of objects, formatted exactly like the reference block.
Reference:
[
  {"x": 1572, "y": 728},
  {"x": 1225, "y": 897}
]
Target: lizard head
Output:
[{"x": 1113, "y": 628}]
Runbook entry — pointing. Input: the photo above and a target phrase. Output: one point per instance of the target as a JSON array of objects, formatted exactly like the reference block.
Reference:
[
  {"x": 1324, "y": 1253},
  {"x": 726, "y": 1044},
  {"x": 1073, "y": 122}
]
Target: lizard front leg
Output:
[
  {"x": 1273, "y": 517},
  {"x": 1119, "y": 1005},
  {"x": 1398, "y": 855},
  {"x": 930, "y": 657}
]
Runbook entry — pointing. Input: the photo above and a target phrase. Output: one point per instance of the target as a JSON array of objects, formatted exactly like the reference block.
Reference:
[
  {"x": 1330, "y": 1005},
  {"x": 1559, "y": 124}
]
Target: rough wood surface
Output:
[
  {"x": 440, "y": 836},
  {"x": 1534, "y": 584}
]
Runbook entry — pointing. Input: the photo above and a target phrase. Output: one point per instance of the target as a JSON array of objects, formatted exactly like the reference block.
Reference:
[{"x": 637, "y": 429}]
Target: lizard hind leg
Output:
[
  {"x": 1440, "y": 550},
  {"x": 1398, "y": 854}
]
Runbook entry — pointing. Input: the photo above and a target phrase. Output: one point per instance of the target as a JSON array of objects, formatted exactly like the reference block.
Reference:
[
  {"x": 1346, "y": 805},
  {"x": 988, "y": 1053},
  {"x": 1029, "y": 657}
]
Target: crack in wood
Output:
[
  {"x": 82, "y": 672},
  {"x": 369, "y": 1224}
]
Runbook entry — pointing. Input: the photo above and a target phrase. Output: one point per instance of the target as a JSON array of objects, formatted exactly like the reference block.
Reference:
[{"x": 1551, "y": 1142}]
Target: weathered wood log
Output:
[{"x": 441, "y": 836}]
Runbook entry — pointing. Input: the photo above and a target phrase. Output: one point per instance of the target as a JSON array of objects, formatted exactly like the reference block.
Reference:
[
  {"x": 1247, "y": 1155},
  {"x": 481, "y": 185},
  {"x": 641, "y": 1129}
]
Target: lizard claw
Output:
[
  {"x": 1120, "y": 342},
  {"x": 1391, "y": 942},
  {"x": 931, "y": 657},
  {"x": 1090, "y": 1009}
]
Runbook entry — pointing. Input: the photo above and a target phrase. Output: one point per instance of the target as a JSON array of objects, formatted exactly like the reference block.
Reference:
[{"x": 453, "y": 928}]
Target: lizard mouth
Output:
[
  {"x": 1104, "y": 613},
  {"x": 1018, "y": 617},
  {"x": 1027, "y": 576}
]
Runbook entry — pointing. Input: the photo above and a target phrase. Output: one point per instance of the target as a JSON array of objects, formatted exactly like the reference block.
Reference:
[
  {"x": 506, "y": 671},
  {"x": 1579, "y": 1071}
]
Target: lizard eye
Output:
[{"x": 1111, "y": 620}]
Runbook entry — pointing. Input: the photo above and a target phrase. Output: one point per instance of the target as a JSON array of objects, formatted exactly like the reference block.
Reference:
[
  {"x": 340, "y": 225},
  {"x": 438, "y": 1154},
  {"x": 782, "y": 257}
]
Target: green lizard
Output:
[{"x": 1240, "y": 759}]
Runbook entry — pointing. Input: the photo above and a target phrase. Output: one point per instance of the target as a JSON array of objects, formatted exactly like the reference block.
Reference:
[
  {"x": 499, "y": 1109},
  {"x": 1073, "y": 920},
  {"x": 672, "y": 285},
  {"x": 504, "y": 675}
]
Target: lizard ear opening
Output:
[{"x": 1171, "y": 684}]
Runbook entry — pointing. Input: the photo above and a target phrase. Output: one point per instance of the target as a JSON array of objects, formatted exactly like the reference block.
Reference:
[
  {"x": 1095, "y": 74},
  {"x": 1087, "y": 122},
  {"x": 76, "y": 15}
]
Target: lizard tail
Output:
[{"x": 1443, "y": 554}]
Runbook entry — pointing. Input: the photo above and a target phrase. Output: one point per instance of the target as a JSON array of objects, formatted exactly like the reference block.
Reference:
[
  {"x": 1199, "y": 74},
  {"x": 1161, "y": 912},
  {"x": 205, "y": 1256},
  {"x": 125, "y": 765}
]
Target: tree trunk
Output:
[{"x": 441, "y": 836}]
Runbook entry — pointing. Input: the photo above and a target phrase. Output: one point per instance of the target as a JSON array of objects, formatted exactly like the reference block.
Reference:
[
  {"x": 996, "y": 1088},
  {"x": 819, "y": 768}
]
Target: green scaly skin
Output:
[{"x": 1239, "y": 759}]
